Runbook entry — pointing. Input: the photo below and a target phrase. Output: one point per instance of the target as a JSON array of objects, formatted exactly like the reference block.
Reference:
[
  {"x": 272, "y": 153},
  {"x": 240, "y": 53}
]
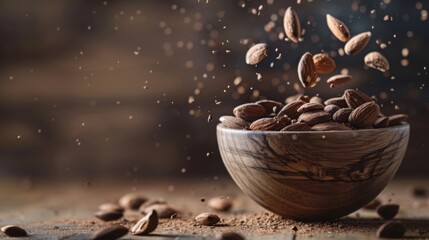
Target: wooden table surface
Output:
[{"x": 65, "y": 211}]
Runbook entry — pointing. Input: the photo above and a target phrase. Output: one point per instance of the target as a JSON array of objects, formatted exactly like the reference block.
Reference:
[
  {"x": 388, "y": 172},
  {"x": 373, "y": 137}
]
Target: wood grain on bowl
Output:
[{"x": 313, "y": 175}]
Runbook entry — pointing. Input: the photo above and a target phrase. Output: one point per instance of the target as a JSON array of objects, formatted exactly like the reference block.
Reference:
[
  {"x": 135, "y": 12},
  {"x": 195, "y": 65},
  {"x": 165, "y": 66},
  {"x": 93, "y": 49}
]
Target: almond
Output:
[
  {"x": 221, "y": 204},
  {"x": 381, "y": 122},
  {"x": 13, "y": 231},
  {"x": 256, "y": 53},
  {"x": 307, "y": 71},
  {"x": 270, "y": 124},
  {"x": 111, "y": 232},
  {"x": 315, "y": 117},
  {"x": 146, "y": 225},
  {"x": 290, "y": 109},
  {"x": 308, "y": 107},
  {"x": 316, "y": 99},
  {"x": 377, "y": 61},
  {"x": 391, "y": 229},
  {"x": 207, "y": 219},
  {"x": 304, "y": 98},
  {"x": 297, "y": 127},
  {"x": 270, "y": 105},
  {"x": 162, "y": 209},
  {"x": 331, "y": 109},
  {"x": 365, "y": 115},
  {"x": 338, "y": 79},
  {"x": 355, "y": 98},
  {"x": 388, "y": 211},
  {"x": 339, "y": 101},
  {"x": 293, "y": 98},
  {"x": 397, "y": 119},
  {"x": 342, "y": 115},
  {"x": 108, "y": 215},
  {"x": 357, "y": 43},
  {"x": 324, "y": 63},
  {"x": 330, "y": 126},
  {"x": 131, "y": 201},
  {"x": 250, "y": 111},
  {"x": 292, "y": 25},
  {"x": 234, "y": 122},
  {"x": 338, "y": 28}
]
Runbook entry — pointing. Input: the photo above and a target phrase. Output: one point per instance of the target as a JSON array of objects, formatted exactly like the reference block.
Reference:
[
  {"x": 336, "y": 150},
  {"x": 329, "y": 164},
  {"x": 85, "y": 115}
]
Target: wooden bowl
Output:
[{"x": 313, "y": 175}]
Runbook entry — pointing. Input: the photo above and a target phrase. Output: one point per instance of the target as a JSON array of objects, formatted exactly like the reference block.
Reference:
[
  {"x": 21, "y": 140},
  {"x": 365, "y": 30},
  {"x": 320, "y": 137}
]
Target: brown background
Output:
[{"x": 101, "y": 89}]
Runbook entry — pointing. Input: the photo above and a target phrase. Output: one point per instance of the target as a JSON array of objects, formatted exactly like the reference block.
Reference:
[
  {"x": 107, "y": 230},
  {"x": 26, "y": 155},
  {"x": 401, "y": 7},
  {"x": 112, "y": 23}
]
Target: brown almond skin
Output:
[
  {"x": 220, "y": 204},
  {"x": 163, "y": 210},
  {"x": 13, "y": 231},
  {"x": 292, "y": 98},
  {"x": 342, "y": 115},
  {"x": 324, "y": 63},
  {"x": 291, "y": 25},
  {"x": 338, "y": 28},
  {"x": 331, "y": 109},
  {"x": 304, "y": 98},
  {"x": 307, "y": 71},
  {"x": 229, "y": 236},
  {"x": 270, "y": 105},
  {"x": 315, "y": 117},
  {"x": 146, "y": 225},
  {"x": 330, "y": 126},
  {"x": 291, "y": 108},
  {"x": 316, "y": 99},
  {"x": 388, "y": 211},
  {"x": 250, "y": 112},
  {"x": 112, "y": 232},
  {"x": 397, "y": 119},
  {"x": 357, "y": 43},
  {"x": 377, "y": 61},
  {"x": 234, "y": 122},
  {"x": 365, "y": 115},
  {"x": 110, "y": 207},
  {"x": 207, "y": 219},
  {"x": 108, "y": 215},
  {"x": 355, "y": 98},
  {"x": 256, "y": 53},
  {"x": 297, "y": 127},
  {"x": 381, "y": 122},
  {"x": 339, "y": 101},
  {"x": 270, "y": 124},
  {"x": 131, "y": 201},
  {"x": 308, "y": 107},
  {"x": 338, "y": 80},
  {"x": 391, "y": 229}
]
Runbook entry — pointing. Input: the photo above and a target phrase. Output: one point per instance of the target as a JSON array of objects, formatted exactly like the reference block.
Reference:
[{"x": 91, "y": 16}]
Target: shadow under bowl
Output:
[{"x": 317, "y": 175}]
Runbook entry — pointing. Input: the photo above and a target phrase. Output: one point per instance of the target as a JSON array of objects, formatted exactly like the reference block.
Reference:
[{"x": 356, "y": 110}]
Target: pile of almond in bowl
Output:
[{"x": 354, "y": 110}]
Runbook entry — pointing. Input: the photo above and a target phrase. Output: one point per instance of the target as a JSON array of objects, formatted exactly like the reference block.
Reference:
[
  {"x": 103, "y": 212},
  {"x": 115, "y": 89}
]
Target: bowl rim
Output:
[{"x": 403, "y": 126}]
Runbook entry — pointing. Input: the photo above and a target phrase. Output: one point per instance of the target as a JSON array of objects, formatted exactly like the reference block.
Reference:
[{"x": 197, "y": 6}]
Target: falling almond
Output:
[
  {"x": 357, "y": 43},
  {"x": 338, "y": 28},
  {"x": 256, "y": 53},
  {"x": 291, "y": 25},
  {"x": 338, "y": 79},
  {"x": 377, "y": 61}
]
